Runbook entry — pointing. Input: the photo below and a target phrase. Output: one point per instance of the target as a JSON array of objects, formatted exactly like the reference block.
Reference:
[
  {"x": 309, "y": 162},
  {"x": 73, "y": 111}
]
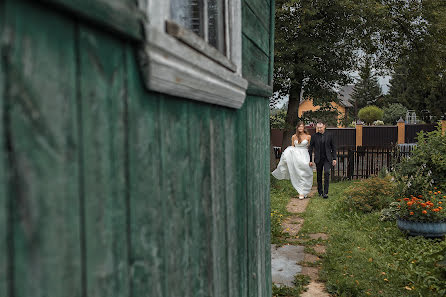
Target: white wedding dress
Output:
[{"x": 294, "y": 165}]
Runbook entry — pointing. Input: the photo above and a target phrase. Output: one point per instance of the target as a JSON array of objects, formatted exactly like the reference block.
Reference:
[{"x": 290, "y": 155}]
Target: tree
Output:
[
  {"x": 371, "y": 113},
  {"x": 393, "y": 113},
  {"x": 317, "y": 45},
  {"x": 367, "y": 90},
  {"x": 277, "y": 119},
  {"x": 419, "y": 79},
  {"x": 313, "y": 52},
  {"x": 326, "y": 113}
]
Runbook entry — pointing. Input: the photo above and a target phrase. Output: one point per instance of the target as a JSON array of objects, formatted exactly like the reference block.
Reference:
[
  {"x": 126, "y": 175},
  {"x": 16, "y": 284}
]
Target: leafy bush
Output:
[
  {"x": 370, "y": 195},
  {"x": 393, "y": 113},
  {"x": 426, "y": 167},
  {"x": 378, "y": 123},
  {"x": 277, "y": 119},
  {"x": 371, "y": 113}
]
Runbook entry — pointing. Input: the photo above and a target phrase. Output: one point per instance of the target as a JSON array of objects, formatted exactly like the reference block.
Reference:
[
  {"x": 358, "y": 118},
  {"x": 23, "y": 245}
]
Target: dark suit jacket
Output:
[{"x": 315, "y": 144}]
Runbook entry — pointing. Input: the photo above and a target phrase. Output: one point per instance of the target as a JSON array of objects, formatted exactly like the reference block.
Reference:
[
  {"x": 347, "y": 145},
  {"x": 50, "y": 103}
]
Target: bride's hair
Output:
[{"x": 299, "y": 134}]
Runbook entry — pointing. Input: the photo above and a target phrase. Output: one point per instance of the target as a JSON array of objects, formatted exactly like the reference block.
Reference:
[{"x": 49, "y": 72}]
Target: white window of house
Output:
[{"x": 194, "y": 50}]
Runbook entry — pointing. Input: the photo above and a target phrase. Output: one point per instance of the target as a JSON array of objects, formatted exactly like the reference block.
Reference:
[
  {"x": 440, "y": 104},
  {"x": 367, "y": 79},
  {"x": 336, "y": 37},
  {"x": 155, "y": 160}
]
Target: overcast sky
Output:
[{"x": 383, "y": 81}]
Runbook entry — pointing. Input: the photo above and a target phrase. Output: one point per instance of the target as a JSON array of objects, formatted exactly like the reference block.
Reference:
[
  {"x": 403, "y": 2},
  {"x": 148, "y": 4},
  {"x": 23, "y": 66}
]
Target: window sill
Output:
[{"x": 174, "y": 68}]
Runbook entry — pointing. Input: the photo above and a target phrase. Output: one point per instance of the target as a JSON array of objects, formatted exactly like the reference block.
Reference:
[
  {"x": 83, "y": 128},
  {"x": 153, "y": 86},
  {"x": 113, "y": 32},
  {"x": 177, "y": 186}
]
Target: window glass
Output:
[
  {"x": 216, "y": 23},
  {"x": 189, "y": 14}
]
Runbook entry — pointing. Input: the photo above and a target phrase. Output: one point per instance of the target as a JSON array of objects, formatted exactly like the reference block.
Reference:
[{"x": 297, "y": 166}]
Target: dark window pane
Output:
[
  {"x": 188, "y": 14},
  {"x": 216, "y": 19}
]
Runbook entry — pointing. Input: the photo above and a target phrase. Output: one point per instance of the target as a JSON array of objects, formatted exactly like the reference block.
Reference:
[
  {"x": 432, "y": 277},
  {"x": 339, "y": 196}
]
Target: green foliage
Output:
[
  {"x": 390, "y": 213},
  {"x": 368, "y": 257},
  {"x": 426, "y": 167},
  {"x": 393, "y": 113},
  {"x": 281, "y": 192},
  {"x": 367, "y": 90},
  {"x": 370, "y": 114},
  {"x": 300, "y": 282},
  {"x": 370, "y": 194},
  {"x": 327, "y": 113},
  {"x": 277, "y": 119},
  {"x": 419, "y": 80}
]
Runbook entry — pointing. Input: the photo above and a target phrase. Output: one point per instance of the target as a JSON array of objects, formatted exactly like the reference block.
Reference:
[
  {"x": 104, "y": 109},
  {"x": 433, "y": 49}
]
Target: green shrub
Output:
[
  {"x": 426, "y": 167},
  {"x": 370, "y": 195},
  {"x": 393, "y": 113},
  {"x": 371, "y": 113}
]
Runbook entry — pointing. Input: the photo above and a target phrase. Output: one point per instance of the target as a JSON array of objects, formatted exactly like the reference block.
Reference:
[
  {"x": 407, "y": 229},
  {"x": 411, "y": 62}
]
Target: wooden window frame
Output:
[{"x": 177, "y": 62}]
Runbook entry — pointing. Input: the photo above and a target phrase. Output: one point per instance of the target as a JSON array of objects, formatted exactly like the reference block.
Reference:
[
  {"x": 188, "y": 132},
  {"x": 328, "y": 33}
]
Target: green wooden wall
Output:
[{"x": 108, "y": 189}]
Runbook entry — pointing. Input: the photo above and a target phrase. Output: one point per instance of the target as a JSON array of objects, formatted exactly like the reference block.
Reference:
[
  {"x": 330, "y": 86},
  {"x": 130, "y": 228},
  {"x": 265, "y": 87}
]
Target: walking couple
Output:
[{"x": 296, "y": 162}]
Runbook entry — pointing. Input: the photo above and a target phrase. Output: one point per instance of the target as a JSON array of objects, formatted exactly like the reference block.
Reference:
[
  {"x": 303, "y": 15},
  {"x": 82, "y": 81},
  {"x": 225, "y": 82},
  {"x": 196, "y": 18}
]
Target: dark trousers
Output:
[{"x": 325, "y": 166}]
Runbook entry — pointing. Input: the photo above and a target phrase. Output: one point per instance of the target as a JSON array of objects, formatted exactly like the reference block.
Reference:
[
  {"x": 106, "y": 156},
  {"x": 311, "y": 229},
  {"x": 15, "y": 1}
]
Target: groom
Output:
[{"x": 324, "y": 157}]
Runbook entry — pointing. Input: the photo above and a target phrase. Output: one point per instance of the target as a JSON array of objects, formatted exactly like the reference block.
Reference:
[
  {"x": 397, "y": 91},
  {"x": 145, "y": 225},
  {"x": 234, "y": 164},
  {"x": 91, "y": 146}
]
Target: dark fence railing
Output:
[
  {"x": 367, "y": 161},
  {"x": 412, "y": 130},
  {"x": 379, "y": 136}
]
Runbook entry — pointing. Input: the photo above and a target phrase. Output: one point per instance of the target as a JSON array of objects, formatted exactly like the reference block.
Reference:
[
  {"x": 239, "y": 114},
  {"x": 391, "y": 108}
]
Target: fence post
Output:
[
  {"x": 358, "y": 133},
  {"x": 401, "y": 131},
  {"x": 349, "y": 163}
]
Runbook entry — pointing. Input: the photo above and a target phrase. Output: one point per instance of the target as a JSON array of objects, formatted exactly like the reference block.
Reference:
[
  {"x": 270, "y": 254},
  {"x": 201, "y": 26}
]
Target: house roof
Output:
[{"x": 345, "y": 94}]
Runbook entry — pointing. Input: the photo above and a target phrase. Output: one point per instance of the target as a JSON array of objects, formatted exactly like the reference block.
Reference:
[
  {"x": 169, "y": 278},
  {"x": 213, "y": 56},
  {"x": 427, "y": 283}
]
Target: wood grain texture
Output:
[
  {"x": 43, "y": 148},
  {"x": 201, "y": 197},
  {"x": 233, "y": 252},
  {"x": 219, "y": 223},
  {"x": 254, "y": 30},
  {"x": 261, "y": 9},
  {"x": 272, "y": 22},
  {"x": 146, "y": 203},
  {"x": 4, "y": 201},
  {"x": 241, "y": 207},
  {"x": 258, "y": 197},
  {"x": 103, "y": 94},
  {"x": 255, "y": 63},
  {"x": 121, "y": 16},
  {"x": 175, "y": 172}
]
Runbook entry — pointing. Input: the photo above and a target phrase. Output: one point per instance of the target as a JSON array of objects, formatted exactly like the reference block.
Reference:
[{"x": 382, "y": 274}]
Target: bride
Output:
[{"x": 294, "y": 162}]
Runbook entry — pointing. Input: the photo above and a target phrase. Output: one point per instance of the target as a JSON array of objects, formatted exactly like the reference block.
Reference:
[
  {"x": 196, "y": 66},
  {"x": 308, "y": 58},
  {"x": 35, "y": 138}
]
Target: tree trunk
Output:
[{"x": 291, "y": 117}]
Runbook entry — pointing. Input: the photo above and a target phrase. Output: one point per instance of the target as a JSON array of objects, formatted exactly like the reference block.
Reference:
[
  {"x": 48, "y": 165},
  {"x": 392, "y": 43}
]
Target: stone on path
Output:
[
  {"x": 315, "y": 289},
  {"x": 297, "y": 205},
  {"x": 292, "y": 225},
  {"x": 284, "y": 265}
]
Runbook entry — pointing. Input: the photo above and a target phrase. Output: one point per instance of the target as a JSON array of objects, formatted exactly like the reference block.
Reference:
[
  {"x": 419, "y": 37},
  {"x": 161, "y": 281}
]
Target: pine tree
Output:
[{"x": 367, "y": 90}]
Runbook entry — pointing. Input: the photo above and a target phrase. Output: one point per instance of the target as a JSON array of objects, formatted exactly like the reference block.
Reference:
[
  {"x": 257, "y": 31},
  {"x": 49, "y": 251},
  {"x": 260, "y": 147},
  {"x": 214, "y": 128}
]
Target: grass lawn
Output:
[{"x": 367, "y": 257}]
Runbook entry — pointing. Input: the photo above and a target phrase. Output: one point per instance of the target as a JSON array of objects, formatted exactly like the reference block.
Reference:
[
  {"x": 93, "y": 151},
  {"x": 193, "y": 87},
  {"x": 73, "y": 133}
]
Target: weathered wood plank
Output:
[
  {"x": 257, "y": 197},
  {"x": 255, "y": 63},
  {"x": 103, "y": 93},
  {"x": 200, "y": 193},
  {"x": 175, "y": 172},
  {"x": 231, "y": 148},
  {"x": 4, "y": 201},
  {"x": 43, "y": 152},
  {"x": 120, "y": 16},
  {"x": 252, "y": 198},
  {"x": 272, "y": 23},
  {"x": 241, "y": 217},
  {"x": 261, "y": 10},
  {"x": 146, "y": 204},
  {"x": 219, "y": 236},
  {"x": 267, "y": 281},
  {"x": 254, "y": 30}
]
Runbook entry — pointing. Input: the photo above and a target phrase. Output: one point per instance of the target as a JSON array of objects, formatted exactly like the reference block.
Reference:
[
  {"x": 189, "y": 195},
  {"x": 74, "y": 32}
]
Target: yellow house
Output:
[{"x": 344, "y": 96}]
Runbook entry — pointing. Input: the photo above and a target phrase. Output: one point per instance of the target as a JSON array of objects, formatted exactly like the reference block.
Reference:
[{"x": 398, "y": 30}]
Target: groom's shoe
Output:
[{"x": 325, "y": 196}]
